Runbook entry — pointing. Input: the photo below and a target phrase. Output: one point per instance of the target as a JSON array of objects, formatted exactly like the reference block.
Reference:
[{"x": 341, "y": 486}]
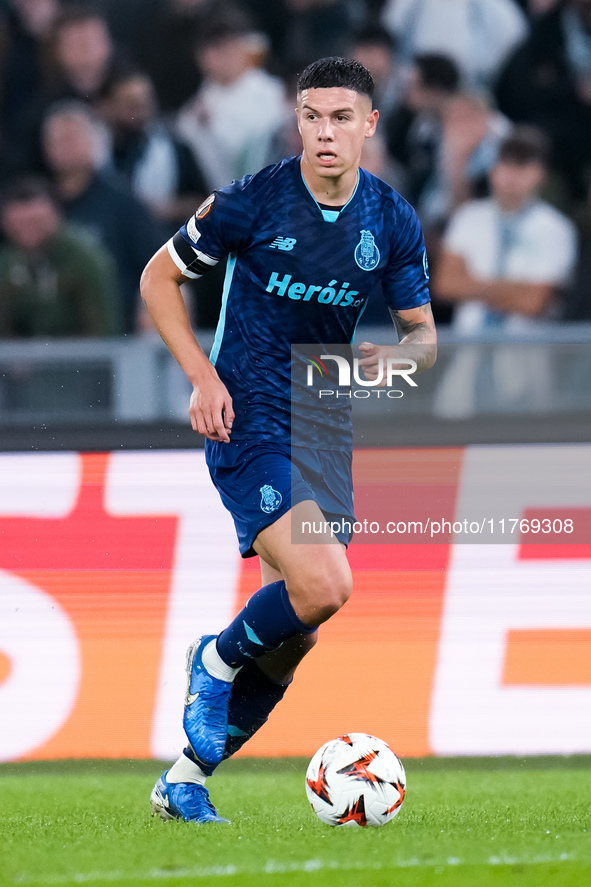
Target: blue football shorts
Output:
[{"x": 259, "y": 482}]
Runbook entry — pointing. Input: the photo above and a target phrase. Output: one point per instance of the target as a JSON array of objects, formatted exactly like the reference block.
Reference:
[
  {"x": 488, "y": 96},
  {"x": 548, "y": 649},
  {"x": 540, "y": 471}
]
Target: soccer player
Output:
[{"x": 307, "y": 239}]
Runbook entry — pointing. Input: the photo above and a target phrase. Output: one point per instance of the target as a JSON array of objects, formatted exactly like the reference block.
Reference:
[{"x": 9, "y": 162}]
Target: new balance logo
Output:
[{"x": 285, "y": 243}]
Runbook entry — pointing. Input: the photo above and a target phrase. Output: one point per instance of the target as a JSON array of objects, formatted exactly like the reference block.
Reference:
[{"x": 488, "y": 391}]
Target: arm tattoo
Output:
[{"x": 417, "y": 338}]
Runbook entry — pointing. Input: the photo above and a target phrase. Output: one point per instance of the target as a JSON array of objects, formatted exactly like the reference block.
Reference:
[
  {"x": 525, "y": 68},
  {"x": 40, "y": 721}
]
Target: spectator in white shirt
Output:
[
  {"x": 504, "y": 263},
  {"x": 230, "y": 121},
  {"x": 159, "y": 167},
  {"x": 506, "y": 258}
]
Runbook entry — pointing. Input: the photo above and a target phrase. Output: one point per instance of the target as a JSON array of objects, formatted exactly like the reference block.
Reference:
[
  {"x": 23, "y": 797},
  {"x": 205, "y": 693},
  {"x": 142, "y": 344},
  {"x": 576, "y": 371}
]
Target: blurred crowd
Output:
[{"x": 118, "y": 118}]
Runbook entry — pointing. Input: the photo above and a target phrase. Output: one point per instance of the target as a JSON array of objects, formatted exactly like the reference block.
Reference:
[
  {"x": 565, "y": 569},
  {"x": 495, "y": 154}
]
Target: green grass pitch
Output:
[{"x": 464, "y": 823}]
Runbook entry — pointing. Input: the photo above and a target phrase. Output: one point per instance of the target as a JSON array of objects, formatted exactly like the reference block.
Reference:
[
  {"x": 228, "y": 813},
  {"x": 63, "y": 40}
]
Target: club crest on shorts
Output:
[
  {"x": 270, "y": 499},
  {"x": 367, "y": 255}
]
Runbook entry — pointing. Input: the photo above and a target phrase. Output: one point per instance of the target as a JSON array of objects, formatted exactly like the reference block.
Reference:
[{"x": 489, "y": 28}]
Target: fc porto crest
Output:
[
  {"x": 270, "y": 499},
  {"x": 367, "y": 255}
]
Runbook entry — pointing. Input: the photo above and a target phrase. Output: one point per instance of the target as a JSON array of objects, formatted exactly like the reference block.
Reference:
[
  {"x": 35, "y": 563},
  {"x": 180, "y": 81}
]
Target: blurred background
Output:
[{"x": 116, "y": 120}]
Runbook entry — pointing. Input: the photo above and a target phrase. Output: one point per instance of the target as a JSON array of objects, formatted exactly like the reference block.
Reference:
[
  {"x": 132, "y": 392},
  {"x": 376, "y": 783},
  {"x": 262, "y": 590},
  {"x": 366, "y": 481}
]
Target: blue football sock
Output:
[
  {"x": 254, "y": 696},
  {"x": 206, "y": 769},
  {"x": 262, "y": 625}
]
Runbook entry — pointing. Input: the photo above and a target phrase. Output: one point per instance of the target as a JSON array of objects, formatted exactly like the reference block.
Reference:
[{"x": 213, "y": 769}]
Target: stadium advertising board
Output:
[{"x": 111, "y": 563}]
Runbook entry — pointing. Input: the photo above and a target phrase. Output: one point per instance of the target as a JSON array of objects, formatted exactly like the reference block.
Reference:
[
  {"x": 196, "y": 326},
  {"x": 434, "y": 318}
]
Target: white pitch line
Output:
[{"x": 280, "y": 868}]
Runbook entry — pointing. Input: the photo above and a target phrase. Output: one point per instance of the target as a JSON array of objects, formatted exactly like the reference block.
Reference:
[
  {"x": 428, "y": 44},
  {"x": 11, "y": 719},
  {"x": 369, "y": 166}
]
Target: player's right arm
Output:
[{"x": 211, "y": 405}]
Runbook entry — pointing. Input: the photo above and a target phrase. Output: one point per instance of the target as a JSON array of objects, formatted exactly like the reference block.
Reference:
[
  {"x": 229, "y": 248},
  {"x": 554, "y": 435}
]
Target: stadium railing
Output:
[{"x": 129, "y": 393}]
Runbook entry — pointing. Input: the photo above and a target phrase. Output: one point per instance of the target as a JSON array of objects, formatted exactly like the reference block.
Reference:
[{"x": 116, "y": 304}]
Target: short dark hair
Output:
[
  {"x": 70, "y": 108},
  {"x": 438, "y": 71},
  {"x": 336, "y": 71},
  {"x": 76, "y": 15},
  {"x": 26, "y": 188},
  {"x": 118, "y": 75},
  {"x": 525, "y": 144},
  {"x": 373, "y": 35},
  {"x": 229, "y": 24}
]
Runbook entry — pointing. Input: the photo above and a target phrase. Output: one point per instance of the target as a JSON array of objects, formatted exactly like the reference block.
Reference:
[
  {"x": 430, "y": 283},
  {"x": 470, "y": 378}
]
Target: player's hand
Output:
[
  {"x": 399, "y": 360},
  {"x": 211, "y": 410},
  {"x": 370, "y": 362}
]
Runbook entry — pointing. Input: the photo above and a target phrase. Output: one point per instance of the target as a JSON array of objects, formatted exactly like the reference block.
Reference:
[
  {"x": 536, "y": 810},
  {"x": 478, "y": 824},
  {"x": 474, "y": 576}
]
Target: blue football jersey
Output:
[{"x": 296, "y": 274}]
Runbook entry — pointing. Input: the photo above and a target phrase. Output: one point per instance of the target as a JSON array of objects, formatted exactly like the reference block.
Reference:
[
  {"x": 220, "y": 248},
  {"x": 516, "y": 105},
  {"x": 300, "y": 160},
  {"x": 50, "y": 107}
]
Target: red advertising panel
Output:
[{"x": 471, "y": 642}]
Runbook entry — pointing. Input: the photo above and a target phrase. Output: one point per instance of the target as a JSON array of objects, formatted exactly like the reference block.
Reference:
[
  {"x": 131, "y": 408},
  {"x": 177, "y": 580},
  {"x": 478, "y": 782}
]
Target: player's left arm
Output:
[{"x": 417, "y": 342}]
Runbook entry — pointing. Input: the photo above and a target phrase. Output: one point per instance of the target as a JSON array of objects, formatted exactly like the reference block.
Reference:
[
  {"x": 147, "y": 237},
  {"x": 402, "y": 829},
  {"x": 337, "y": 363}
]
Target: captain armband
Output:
[{"x": 190, "y": 261}]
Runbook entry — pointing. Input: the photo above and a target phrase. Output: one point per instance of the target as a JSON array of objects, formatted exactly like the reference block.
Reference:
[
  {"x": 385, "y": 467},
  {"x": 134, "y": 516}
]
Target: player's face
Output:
[{"x": 334, "y": 124}]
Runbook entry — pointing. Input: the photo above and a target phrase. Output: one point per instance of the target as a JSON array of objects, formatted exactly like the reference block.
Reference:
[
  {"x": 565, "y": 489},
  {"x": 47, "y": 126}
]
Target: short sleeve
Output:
[
  {"x": 221, "y": 226},
  {"x": 406, "y": 281}
]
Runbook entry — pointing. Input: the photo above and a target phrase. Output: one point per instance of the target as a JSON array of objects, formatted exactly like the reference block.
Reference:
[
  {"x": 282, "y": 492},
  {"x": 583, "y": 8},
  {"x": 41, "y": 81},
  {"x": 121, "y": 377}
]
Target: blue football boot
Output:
[
  {"x": 182, "y": 800},
  {"x": 205, "y": 719}
]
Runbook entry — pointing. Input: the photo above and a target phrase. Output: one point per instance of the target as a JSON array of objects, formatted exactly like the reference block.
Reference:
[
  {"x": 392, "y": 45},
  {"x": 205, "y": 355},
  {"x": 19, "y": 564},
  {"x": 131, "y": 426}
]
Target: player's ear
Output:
[{"x": 371, "y": 122}]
